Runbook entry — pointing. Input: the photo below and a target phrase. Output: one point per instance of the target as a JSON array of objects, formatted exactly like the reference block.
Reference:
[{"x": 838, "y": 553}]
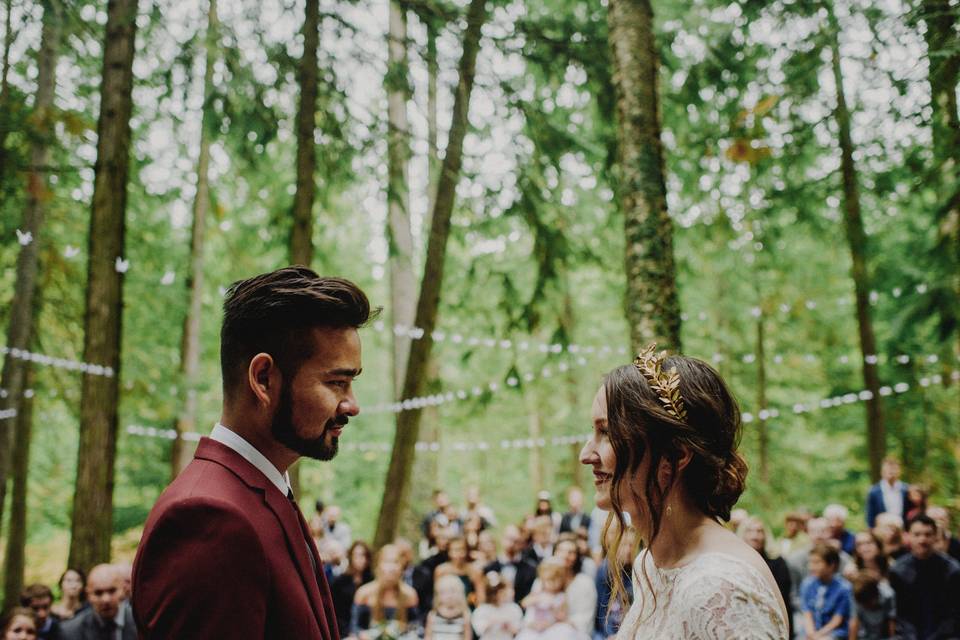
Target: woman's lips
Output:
[{"x": 600, "y": 478}]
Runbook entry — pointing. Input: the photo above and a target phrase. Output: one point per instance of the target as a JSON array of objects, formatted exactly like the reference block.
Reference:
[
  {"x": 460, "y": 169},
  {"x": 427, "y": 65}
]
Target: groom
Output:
[{"x": 226, "y": 552}]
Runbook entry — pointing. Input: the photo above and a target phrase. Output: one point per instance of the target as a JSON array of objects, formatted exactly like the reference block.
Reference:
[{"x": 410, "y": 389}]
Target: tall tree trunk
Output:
[
  {"x": 652, "y": 305},
  {"x": 568, "y": 320},
  {"x": 301, "y": 235},
  {"x": 433, "y": 151},
  {"x": 397, "y": 484},
  {"x": 943, "y": 56},
  {"x": 23, "y": 307},
  {"x": 403, "y": 284},
  {"x": 857, "y": 241},
  {"x": 15, "y": 553},
  {"x": 92, "y": 518},
  {"x": 762, "y": 432},
  {"x": 5, "y": 88},
  {"x": 190, "y": 341},
  {"x": 431, "y": 465}
]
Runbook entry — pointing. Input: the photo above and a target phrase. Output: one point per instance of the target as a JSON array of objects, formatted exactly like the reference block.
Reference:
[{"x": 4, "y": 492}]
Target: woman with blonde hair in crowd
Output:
[
  {"x": 385, "y": 602},
  {"x": 664, "y": 449}
]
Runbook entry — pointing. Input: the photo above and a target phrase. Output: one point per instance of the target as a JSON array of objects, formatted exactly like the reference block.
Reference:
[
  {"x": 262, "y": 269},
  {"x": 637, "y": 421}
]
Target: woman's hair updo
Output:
[{"x": 640, "y": 426}]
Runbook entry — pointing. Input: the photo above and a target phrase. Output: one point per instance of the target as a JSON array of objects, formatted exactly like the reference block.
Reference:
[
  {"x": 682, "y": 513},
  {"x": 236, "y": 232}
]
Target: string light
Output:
[
  {"x": 6, "y": 414},
  {"x": 471, "y": 392},
  {"x": 60, "y": 363}
]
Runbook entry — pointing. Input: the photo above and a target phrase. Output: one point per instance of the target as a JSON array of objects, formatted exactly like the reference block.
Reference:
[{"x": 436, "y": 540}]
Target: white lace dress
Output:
[{"x": 715, "y": 597}]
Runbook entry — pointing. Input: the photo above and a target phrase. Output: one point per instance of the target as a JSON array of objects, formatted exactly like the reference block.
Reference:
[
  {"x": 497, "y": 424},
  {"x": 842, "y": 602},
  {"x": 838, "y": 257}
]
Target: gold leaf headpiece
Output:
[{"x": 666, "y": 384}]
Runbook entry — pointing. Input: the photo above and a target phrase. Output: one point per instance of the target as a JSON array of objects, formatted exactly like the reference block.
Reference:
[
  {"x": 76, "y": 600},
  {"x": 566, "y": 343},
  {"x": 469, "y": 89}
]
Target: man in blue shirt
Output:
[{"x": 825, "y": 596}]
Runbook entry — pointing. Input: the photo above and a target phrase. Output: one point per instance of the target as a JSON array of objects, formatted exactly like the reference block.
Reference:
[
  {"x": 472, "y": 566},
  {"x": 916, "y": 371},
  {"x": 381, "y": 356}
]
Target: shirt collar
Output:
[{"x": 224, "y": 435}]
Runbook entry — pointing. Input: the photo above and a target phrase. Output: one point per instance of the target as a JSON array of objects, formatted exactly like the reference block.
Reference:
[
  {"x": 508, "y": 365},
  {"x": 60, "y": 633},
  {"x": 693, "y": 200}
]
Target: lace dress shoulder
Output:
[{"x": 715, "y": 597}]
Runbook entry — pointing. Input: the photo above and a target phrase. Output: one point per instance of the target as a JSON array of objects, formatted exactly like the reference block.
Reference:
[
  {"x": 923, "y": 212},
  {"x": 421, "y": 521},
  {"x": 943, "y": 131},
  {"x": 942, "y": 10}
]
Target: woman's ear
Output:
[{"x": 684, "y": 458}]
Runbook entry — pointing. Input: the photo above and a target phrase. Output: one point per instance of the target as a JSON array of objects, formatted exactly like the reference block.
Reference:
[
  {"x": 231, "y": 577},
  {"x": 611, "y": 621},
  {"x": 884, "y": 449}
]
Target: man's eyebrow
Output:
[{"x": 350, "y": 373}]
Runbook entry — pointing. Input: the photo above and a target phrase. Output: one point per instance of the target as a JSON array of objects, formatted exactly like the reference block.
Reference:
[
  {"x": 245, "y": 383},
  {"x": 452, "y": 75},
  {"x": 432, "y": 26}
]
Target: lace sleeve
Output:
[{"x": 737, "y": 605}]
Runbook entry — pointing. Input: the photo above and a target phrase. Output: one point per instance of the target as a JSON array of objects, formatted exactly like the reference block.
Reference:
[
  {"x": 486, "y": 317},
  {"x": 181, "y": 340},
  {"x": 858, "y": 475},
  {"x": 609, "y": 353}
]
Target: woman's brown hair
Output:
[{"x": 642, "y": 428}]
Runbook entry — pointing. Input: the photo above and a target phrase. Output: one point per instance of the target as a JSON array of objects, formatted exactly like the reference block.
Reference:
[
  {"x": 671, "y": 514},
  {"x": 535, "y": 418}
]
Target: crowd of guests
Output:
[
  {"x": 90, "y": 607},
  {"x": 546, "y": 577}
]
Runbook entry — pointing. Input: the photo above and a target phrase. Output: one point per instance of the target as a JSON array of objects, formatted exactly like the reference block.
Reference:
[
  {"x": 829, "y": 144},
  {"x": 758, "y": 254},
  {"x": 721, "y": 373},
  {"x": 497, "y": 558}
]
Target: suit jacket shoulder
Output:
[{"x": 223, "y": 523}]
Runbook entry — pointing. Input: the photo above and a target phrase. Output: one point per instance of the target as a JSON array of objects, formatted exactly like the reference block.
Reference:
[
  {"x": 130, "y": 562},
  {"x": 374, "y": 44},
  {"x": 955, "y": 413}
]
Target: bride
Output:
[{"x": 663, "y": 450}]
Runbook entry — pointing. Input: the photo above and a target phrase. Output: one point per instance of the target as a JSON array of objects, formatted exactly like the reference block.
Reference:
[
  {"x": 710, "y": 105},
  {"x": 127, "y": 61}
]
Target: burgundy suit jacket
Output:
[{"x": 224, "y": 555}]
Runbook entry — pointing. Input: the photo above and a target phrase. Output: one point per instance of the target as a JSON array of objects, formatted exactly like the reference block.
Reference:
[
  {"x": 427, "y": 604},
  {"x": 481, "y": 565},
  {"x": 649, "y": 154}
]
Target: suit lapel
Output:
[{"x": 290, "y": 521}]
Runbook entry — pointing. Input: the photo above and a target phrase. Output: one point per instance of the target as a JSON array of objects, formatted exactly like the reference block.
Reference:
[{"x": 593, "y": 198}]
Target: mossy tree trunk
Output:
[
  {"x": 857, "y": 242},
  {"x": 23, "y": 306},
  {"x": 652, "y": 304},
  {"x": 397, "y": 485},
  {"x": 92, "y": 518}
]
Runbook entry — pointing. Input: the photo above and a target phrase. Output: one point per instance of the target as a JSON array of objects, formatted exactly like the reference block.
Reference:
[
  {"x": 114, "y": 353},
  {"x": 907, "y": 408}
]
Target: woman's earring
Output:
[{"x": 669, "y": 511}]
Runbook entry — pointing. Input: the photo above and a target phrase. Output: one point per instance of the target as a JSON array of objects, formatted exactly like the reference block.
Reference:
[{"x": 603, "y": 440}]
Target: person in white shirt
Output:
[{"x": 889, "y": 495}]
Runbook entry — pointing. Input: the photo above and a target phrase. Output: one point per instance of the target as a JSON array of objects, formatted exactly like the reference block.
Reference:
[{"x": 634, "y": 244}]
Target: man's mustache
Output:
[{"x": 338, "y": 421}]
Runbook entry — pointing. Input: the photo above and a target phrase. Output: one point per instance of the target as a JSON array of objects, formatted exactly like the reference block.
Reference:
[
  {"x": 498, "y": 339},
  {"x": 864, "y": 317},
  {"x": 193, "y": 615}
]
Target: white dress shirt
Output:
[
  {"x": 224, "y": 435},
  {"x": 892, "y": 497}
]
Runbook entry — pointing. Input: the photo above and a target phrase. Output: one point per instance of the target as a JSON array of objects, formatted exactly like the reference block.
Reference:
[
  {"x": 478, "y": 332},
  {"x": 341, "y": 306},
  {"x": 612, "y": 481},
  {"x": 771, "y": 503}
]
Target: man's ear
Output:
[{"x": 263, "y": 377}]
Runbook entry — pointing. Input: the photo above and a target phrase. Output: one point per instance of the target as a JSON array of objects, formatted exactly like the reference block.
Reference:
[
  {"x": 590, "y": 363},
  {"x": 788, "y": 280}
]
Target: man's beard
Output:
[{"x": 285, "y": 431}]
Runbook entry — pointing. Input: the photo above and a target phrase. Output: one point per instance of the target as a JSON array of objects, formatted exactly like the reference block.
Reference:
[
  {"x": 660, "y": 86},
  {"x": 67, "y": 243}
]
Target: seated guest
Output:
[
  {"x": 39, "y": 598},
  {"x": 72, "y": 595},
  {"x": 946, "y": 542},
  {"x": 874, "y": 608},
  {"x": 386, "y": 601},
  {"x": 825, "y": 596},
  {"x": 610, "y": 614},
  {"x": 754, "y": 533},
  {"x": 794, "y": 533},
  {"x": 917, "y": 495},
  {"x": 542, "y": 534},
  {"x": 423, "y": 572},
  {"x": 108, "y": 615},
  {"x": 836, "y": 516},
  {"x": 517, "y": 570},
  {"x": 580, "y": 590},
  {"x": 890, "y": 531},
  {"x": 868, "y": 556},
  {"x": 927, "y": 585},
  {"x": 499, "y": 617},
  {"x": 475, "y": 505},
  {"x": 544, "y": 509},
  {"x": 334, "y": 527},
  {"x": 19, "y": 624},
  {"x": 547, "y": 606},
  {"x": 574, "y": 519},
  {"x": 459, "y": 565},
  {"x": 344, "y": 587},
  {"x": 450, "y": 617},
  {"x": 799, "y": 562}
]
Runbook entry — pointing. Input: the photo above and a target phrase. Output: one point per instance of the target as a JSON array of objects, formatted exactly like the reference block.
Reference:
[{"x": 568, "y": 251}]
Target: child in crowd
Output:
[
  {"x": 874, "y": 609},
  {"x": 500, "y": 618},
  {"x": 825, "y": 596},
  {"x": 19, "y": 624},
  {"x": 450, "y": 617},
  {"x": 546, "y": 617}
]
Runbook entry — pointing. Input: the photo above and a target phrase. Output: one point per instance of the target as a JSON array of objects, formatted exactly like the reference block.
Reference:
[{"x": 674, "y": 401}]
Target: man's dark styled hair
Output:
[
  {"x": 35, "y": 591},
  {"x": 924, "y": 519},
  {"x": 274, "y": 312}
]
